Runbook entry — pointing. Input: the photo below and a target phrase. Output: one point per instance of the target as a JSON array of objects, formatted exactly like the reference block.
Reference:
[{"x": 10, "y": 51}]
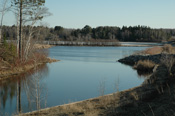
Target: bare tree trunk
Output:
[
  {"x": 20, "y": 30},
  {"x": 17, "y": 49},
  {"x": 26, "y": 52}
]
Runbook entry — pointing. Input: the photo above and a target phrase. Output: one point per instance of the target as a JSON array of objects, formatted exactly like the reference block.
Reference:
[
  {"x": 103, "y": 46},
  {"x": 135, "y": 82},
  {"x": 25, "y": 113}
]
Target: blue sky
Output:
[{"x": 78, "y": 13}]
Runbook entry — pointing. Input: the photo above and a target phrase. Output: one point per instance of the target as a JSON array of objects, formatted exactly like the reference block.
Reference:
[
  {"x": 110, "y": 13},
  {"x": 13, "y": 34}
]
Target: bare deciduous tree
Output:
[
  {"x": 28, "y": 11},
  {"x": 35, "y": 17}
]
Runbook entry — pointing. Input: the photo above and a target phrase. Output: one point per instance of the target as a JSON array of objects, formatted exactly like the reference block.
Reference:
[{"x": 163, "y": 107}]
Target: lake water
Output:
[{"x": 82, "y": 73}]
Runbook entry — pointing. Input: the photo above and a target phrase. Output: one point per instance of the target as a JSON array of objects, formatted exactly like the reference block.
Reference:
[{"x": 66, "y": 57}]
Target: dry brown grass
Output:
[
  {"x": 42, "y": 46},
  {"x": 153, "y": 50},
  {"x": 144, "y": 65},
  {"x": 18, "y": 67},
  {"x": 168, "y": 62},
  {"x": 91, "y": 107},
  {"x": 167, "y": 48}
]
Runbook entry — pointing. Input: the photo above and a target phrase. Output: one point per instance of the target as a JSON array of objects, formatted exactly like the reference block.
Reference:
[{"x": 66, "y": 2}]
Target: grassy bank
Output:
[{"x": 8, "y": 72}]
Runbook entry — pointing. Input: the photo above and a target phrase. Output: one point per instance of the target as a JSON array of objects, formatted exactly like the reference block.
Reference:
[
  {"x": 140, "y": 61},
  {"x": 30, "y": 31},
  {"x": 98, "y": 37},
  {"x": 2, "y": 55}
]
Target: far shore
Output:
[
  {"x": 102, "y": 43},
  {"x": 49, "y": 44}
]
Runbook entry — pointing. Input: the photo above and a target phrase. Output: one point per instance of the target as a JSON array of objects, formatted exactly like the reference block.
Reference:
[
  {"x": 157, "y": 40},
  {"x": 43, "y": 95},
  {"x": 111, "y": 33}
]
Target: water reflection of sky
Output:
[
  {"x": 81, "y": 69},
  {"x": 76, "y": 77},
  {"x": 92, "y": 54}
]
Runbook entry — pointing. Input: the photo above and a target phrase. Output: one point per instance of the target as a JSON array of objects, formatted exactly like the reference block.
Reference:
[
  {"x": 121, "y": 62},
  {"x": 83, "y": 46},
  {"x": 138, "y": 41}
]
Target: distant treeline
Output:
[{"x": 102, "y": 33}]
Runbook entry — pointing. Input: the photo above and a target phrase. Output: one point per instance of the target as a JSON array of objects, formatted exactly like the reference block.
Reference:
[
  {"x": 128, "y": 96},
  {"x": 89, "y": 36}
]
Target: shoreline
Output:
[
  {"x": 19, "y": 70},
  {"x": 101, "y": 43},
  {"x": 42, "y": 46},
  {"x": 77, "y": 103},
  {"x": 109, "y": 46},
  {"x": 138, "y": 45},
  {"x": 7, "y": 73}
]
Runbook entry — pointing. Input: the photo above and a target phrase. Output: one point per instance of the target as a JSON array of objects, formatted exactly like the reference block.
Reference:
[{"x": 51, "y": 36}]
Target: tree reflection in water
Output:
[{"x": 29, "y": 85}]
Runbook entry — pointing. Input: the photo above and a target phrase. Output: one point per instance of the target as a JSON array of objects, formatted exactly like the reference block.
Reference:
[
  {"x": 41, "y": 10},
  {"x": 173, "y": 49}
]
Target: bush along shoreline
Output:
[{"x": 11, "y": 65}]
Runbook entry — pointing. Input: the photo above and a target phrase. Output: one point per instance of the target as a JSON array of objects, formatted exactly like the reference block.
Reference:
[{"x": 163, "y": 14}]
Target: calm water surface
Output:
[{"x": 79, "y": 75}]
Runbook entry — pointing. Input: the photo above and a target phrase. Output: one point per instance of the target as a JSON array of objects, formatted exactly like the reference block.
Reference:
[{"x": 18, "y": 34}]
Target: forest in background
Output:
[{"x": 101, "y": 33}]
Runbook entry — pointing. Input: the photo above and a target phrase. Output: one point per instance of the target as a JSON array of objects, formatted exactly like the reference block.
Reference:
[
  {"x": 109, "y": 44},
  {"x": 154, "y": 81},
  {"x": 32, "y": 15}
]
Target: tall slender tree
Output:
[
  {"x": 26, "y": 12},
  {"x": 27, "y": 9}
]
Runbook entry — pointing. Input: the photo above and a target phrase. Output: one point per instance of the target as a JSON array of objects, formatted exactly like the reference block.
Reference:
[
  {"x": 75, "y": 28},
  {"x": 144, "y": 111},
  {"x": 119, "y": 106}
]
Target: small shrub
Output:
[
  {"x": 168, "y": 61},
  {"x": 4, "y": 42},
  {"x": 8, "y": 53},
  {"x": 38, "y": 56},
  {"x": 144, "y": 65}
]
